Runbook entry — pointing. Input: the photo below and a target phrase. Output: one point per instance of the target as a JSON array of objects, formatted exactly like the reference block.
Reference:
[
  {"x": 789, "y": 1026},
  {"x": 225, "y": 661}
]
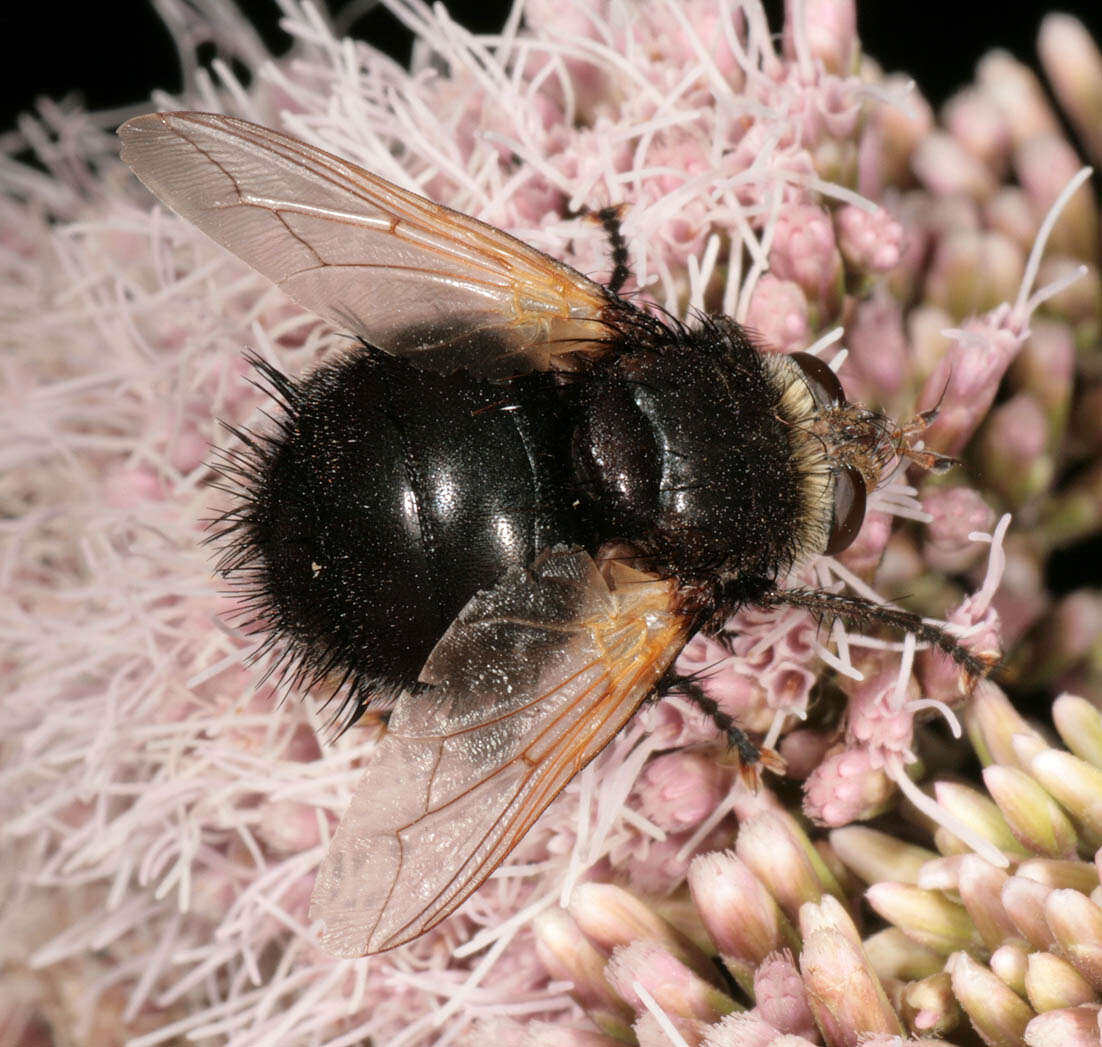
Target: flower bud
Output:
[
  {"x": 1073, "y": 67},
  {"x": 957, "y": 512},
  {"x": 928, "y": 1006},
  {"x": 678, "y": 790},
  {"x": 946, "y": 168},
  {"x": 1075, "y": 785},
  {"x": 828, "y": 914},
  {"x": 1012, "y": 450},
  {"x": 998, "y": 1014},
  {"x": 843, "y": 991},
  {"x": 926, "y": 916},
  {"x": 866, "y": 554},
  {"x": 900, "y": 128},
  {"x": 778, "y": 852},
  {"x": 870, "y": 242},
  {"x": 1009, "y": 964},
  {"x": 1045, "y": 368},
  {"x": 1074, "y": 512},
  {"x": 966, "y": 380},
  {"x": 830, "y": 30},
  {"x": 973, "y": 272},
  {"x": 1045, "y": 164},
  {"x": 804, "y": 251},
  {"x": 1071, "y": 1027},
  {"x": 1024, "y": 902},
  {"x": 780, "y": 997},
  {"x": 1076, "y": 923},
  {"x": 610, "y": 916},
  {"x": 979, "y": 813},
  {"x": 1052, "y": 983},
  {"x": 1014, "y": 88},
  {"x": 942, "y": 874},
  {"x": 673, "y": 986},
  {"x": 978, "y": 125},
  {"x": 569, "y": 956},
  {"x": 650, "y": 1032},
  {"x": 992, "y": 722},
  {"x": 1079, "y": 722},
  {"x": 740, "y": 915},
  {"x": 1010, "y": 212},
  {"x": 980, "y": 889},
  {"x": 1022, "y": 598},
  {"x": 877, "y": 346},
  {"x": 288, "y": 827},
  {"x": 745, "y": 1029},
  {"x": 1034, "y": 818},
  {"x": 780, "y": 314},
  {"x": 1057, "y": 875},
  {"x": 847, "y": 787},
  {"x": 875, "y": 856},
  {"x": 926, "y": 325},
  {"x": 803, "y": 749},
  {"x": 896, "y": 957}
]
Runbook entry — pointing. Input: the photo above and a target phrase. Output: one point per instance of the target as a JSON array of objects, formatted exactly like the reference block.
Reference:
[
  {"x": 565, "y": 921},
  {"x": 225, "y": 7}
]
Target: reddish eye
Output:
[
  {"x": 821, "y": 380},
  {"x": 849, "y": 509}
]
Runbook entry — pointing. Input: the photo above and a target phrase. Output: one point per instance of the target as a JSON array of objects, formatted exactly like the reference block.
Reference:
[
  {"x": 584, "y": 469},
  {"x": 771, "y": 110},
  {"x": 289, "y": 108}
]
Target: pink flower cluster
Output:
[{"x": 165, "y": 809}]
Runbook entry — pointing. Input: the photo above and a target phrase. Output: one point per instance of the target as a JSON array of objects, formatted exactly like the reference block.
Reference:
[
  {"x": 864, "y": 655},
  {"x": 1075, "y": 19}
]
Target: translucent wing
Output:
[
  {"x": 532, "y": 680},
  {"x": 408, "y": 275}
]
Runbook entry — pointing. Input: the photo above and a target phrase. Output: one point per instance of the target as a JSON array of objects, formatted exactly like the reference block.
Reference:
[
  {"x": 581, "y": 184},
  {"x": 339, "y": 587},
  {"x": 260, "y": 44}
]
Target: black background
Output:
[{"x": 115, "y": 52}]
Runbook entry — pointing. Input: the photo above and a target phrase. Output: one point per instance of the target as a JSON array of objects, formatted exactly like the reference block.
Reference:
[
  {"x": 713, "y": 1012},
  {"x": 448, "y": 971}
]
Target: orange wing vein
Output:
[{"x": 408, "y": 275}]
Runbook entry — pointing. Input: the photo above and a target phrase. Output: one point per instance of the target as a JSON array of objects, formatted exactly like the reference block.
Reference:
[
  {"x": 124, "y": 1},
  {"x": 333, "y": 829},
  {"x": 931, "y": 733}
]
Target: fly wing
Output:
[
  {"x": 407, "y": 275},
  {"x": 530, "y": 682}
]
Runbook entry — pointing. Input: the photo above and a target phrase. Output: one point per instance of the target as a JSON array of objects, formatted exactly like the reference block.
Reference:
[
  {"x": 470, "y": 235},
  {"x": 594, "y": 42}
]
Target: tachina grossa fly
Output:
[{"x": 503, "y": 513}]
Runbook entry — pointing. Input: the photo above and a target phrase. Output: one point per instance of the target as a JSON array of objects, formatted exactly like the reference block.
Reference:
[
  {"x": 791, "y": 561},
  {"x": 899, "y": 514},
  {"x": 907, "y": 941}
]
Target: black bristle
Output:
[{"x": 242, "y": 472}]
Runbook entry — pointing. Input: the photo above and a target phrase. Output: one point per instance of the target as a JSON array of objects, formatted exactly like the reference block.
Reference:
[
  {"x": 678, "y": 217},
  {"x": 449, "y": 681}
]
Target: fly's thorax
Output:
[{"x": 683, "y": 451}]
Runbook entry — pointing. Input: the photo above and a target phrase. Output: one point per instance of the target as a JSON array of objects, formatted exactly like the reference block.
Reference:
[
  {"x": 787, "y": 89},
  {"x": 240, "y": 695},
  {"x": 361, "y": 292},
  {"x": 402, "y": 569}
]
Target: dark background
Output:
[{"x": 114, "y": 52}]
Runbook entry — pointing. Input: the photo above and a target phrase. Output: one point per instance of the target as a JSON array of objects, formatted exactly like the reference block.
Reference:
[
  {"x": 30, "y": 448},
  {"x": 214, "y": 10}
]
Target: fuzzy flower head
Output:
[{"x": 166, "y": 806}]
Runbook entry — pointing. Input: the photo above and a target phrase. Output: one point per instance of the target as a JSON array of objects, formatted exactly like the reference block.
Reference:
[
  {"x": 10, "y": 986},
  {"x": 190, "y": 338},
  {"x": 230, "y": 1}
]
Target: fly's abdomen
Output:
[{"x": 392, "y": 495}]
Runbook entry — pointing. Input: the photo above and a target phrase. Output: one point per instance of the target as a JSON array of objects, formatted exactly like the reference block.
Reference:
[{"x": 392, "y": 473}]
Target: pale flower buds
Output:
[
  {"x": 1069, "y": 1027},
  {"x": 926, "y": 916},
  {"x": 996, "y": 1011},
  {"x": 1034, "y": 818},
  {"x": 1073, "y": 65},
  {"x": 740, "y": 914},
  {"x": 957, "y": 512},
  {"x": 844, "y": 992},
  {"x": 1052, "y": 983},
  {"x": 805, "y": 252},
  {"x": 610, "y": 916},
  {"x": 780, "y": 313},
  {"x": 569, "y": 956},
  {"x": 673, "y": 986},
  {"x": 868, "y": 242}
]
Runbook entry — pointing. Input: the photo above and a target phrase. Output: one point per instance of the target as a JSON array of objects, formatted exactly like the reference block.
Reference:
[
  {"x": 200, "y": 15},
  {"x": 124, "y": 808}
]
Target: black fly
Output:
[{"x": 504, "y": 514}]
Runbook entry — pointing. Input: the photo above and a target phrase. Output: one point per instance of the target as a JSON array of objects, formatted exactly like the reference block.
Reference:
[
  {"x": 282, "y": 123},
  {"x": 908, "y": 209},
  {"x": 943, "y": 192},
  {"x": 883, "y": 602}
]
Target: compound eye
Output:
[
  {"x": 849, "y": 509},
  {"x": 821, "y": 380}
]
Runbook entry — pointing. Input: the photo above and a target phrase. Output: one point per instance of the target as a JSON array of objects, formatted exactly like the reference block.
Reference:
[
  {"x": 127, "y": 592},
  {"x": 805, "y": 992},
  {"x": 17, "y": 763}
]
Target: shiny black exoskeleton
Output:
[{"x": 390, "y": 494}]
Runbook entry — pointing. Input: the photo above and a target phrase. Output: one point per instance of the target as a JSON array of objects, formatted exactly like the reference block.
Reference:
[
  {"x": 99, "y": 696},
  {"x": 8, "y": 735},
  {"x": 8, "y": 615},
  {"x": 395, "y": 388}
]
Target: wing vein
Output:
[{"x": 353, "y": 248}]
